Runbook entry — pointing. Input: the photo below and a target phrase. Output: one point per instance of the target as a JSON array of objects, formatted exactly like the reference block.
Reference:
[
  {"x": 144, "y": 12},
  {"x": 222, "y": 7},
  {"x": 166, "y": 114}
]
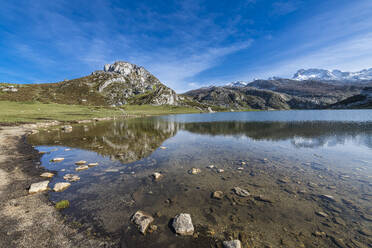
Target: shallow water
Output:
[{"x": 287, "y": 160}]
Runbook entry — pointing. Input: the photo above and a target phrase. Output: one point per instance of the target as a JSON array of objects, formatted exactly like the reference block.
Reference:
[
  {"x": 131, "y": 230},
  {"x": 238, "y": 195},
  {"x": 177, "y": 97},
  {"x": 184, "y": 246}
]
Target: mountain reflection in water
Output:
[{"x": 288, "y": 165}]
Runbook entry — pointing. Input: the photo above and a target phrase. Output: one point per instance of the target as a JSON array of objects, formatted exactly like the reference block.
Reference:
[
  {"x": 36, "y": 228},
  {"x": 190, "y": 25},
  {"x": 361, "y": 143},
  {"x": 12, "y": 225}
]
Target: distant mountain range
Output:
[
  {"x": 123, "y": 83},
  {"x": 334, "y": 75}
]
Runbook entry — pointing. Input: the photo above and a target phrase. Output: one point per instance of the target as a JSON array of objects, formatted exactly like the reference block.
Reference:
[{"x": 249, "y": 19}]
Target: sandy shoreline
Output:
[{"x": 31, "y": 220}]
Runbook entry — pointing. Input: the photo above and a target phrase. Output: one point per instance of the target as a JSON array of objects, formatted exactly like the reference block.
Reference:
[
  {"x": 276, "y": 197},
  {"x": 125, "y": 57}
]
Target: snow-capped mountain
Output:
[
  {"x": 237, "y": 84},
  {"x": 337, "y": 75}
]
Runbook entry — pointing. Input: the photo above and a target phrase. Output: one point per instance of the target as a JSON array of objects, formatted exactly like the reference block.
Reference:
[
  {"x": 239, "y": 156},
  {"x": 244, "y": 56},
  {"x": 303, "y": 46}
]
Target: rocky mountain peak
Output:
[{"x": 125, "y": 68}]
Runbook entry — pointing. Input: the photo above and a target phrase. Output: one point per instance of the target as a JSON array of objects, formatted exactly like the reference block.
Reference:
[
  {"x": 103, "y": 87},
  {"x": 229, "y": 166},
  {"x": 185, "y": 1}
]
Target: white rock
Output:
[
  {"x": 58, "y": 187},
  {"x": 232, "y": 244},
  {"x": 38, "y": 187},
  {"x": 92, "y": 164},
  {"x": 47, "y": 175},
  {"x": 57, "y": 159},
  {"x": 157, "y": 175},
  {"x": 82, "y": 167},
  {"x": 71, "y": 177},
  {"x": 195, "y": 171},
  {"x": 142, "y": 220},
  {"x": 81, "y": 162},
  {"x": 182, "y": 224}
]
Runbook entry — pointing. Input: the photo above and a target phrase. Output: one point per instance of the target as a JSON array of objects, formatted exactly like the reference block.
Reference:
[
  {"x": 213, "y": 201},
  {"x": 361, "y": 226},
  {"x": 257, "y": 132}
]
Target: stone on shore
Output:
[
  {"x": 232, "y": 244},
  {"x": 182, "y": 224},
  {"x": 71, "y": 177},
  {"x": 220, "y": 170},
  {"x": 217, "y": 194},
  {"x": 38, "y": 187},
  {"x": 241, "y": 192},
  {"x": 81, "y": 162},
  {"x": 82, "y": 167},
  {"x": 47, "y": 175},
  {"x": 142, "y": 220},
  {"x": 58, "y": 187},
  {"x": 57, "y": 159},
  {"x": 195, "y": 171}
]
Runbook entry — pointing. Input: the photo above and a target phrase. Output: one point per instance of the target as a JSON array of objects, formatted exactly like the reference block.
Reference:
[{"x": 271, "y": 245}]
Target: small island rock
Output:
[{"x": 58, "y": 187}]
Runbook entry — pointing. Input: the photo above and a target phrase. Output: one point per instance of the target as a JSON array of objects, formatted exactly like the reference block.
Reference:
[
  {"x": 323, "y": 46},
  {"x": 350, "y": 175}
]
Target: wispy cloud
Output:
[{"x": 285, "y": 7}]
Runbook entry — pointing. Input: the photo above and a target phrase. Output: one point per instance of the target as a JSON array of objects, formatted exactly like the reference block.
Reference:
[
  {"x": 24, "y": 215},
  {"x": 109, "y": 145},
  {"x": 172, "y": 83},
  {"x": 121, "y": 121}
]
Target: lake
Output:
[{"x": 308, "y": 174}]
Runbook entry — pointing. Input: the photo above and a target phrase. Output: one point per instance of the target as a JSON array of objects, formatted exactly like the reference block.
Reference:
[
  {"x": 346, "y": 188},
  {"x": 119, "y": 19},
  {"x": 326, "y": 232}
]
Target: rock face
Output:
[
  {"x": 129, "y": 83},
  {"x": 142, "y": 220},
  {"x": 38, "y": 187},
  {"x": 182, "y": 224},
  {"x": 232, "y": 244}
]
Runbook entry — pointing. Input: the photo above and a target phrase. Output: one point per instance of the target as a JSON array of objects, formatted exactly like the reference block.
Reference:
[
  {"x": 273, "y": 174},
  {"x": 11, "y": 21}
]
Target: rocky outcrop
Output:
[{"x": 128, "y": 83}]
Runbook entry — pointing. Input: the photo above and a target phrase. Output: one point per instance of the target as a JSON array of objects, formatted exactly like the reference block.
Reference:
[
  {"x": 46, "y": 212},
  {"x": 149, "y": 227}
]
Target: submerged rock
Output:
[
  {"x": 182, "y": 224},
  {"x": 47, "y": 175},
  {"x": 142, "y": 220},
  {"x": 322, "y": 214},
  {"x": 81, "y": 162},
  {"x": 232, "y": 244},
  {"x": 58, "y": 187},
  {"x": 195, "y": 171},
  {"x": 71, "y": 177},
  {"x": 82, "y": 167},
  {"x": 157, "y": 176},
  {"x": 217, "y": 195},
  {"x": 38, "y": 187},
  {"x": 57, "y": 159},
  {"x": 241, "y": 192},
  {"x": 328, "y": 197}
]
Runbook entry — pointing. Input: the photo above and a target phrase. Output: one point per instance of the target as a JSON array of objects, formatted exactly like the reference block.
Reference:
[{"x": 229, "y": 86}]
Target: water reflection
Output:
[{"x": 310, "y": 181}]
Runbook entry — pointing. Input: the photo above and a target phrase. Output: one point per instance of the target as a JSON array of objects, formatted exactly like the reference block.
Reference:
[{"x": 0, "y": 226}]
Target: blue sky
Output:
[{"x": 186, "y": 44}]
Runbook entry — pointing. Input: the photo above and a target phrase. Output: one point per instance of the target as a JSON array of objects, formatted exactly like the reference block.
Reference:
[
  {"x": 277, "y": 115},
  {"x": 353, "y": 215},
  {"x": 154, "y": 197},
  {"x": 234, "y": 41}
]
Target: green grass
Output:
[
  {"x": 62, "y": 204},
  {"x": 30, "y": 112},
  {"x": 27, "y": 112},
  {"x": 157, "y": 110}
]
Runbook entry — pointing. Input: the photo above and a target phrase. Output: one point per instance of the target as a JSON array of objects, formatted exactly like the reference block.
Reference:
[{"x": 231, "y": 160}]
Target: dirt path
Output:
[{"x": 31, "y": 220}]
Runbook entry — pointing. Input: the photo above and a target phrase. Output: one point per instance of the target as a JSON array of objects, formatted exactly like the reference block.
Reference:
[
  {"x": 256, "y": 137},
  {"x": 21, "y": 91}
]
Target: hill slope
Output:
[
  {"x": 118, "y": 84},
  {"x": 276, "y": 94}
]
